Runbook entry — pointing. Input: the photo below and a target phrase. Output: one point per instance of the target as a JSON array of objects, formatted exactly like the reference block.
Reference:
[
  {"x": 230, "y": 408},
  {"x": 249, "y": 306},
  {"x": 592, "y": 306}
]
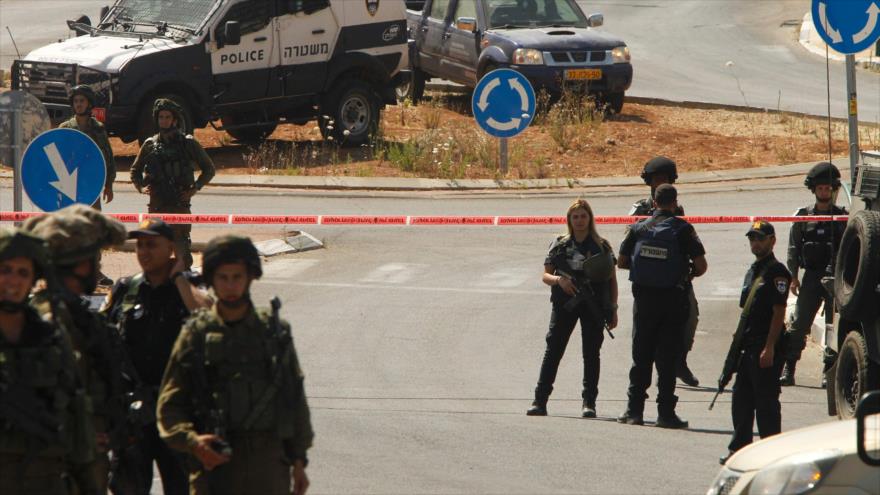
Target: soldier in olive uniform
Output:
[
  {"x": 82, "y": 100},
  {"x": 812, "y": 246},
  {"x": 75, "y": 236},
  {"x": 164, "y": 168},
  {"x": 45, "y": 427},
  {"x": 661, "y": 170},
  {"x": 232, "y": 395},
  {"x": 580, "y": 272}
]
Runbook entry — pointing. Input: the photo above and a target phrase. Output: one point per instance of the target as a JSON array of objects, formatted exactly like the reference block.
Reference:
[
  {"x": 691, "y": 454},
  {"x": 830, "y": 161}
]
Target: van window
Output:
[
  {"x": 304, "y": 6},
  {"x": 253, "y": 15},
  {"x": 439, "y": 8}
]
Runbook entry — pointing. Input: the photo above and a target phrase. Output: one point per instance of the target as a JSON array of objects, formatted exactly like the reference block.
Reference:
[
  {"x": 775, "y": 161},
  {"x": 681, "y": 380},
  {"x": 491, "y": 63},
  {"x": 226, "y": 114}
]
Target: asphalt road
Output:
[
  {"x": 421, "y": 346},
  {"x": 680, "y": 49}
]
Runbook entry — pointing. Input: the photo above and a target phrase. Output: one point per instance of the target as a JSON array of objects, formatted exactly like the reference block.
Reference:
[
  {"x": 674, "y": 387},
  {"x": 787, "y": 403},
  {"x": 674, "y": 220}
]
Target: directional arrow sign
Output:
[
  {"x": 848, "y": 26},
  {"x": 503, "y": 103},
  {"x": 61, "y": 167}
]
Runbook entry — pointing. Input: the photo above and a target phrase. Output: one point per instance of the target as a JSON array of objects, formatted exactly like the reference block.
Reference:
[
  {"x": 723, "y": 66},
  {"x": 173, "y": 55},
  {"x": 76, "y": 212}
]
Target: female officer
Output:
[{"x": 583, "y": 286}]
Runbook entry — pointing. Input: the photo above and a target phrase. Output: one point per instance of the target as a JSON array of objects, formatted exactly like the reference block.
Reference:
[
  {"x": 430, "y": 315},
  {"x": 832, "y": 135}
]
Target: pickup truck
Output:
[{"x": 552, "y": 42}]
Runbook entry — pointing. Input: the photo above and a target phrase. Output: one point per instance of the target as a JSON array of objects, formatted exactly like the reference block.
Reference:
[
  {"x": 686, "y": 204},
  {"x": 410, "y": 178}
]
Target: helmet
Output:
[
  {"x": 659, "y": 165},
  {"x": 166, "y": 104},
  {"x": 16, "y": 243},
  {"x": 75, "y": 233},
  {"x": 823, "y": 173},
  {"x": 230, "y": 249},
  {"x": 86, "y": 91}
]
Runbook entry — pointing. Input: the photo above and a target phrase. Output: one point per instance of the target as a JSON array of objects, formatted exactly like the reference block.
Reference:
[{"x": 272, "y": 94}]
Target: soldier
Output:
[
  {"x": 662, "y": 253},
  {"x": 45, "y": 427},
  {"x": 75, "y": 236},
  {"x": 150, "y": 308},
  {"x": 661, "y": 170},
  {"x": 583, "y": 286},
  {"x": 232, "y": 395},
  {"x": 756, "y": 389},
  {"x": 811, "y": 246},
  {"x": 164, "y": 169},
  {"x": 82, "y": 100}
]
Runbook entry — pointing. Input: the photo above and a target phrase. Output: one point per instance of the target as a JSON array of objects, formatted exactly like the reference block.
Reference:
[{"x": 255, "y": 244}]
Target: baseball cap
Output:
[
  {"x": 761, "y": 228},
  {"x": 152, "y": 227}
]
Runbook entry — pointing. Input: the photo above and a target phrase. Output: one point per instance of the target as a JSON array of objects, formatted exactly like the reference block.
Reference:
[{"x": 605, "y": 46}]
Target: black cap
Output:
[
  {"x": 665, "y": 194},
  {"x": 152, "y": 227},
  {"x": 762, "y": 228}
]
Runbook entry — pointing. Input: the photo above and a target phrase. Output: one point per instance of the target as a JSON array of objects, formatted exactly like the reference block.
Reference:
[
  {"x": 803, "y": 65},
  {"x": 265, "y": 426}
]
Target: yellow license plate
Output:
[{"x": 583, "y": 74}]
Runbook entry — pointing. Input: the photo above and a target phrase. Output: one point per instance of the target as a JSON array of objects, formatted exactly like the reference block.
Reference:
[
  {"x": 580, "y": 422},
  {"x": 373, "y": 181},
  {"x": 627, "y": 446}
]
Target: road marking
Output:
[
  {"x": 287, "y": 267},
  {"x": 393, "y": 273},
  {"x": 506, "y": 278}
]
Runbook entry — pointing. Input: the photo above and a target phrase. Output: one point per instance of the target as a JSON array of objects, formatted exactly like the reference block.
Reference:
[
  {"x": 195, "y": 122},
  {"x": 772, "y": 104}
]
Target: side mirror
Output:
[
  {"x": 595, "y": 20},
  {"x": 232, "y": 33},
  {"x": 468, "y": 24},
  {"x": 80, "y": 25},
  {"x": 868, "y": 428}
]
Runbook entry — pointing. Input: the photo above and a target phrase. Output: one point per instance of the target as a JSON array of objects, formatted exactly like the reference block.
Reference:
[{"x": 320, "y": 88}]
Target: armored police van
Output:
[{"x": 242, "y": 66}]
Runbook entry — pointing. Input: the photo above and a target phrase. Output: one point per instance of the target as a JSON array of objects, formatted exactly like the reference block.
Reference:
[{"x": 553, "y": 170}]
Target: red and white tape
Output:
[{"x": 404, "y": 220}]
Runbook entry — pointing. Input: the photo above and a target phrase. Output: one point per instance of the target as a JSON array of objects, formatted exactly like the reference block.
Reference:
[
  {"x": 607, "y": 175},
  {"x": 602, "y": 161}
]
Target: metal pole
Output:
[
  {"x": 16, "y": 158},
  {"x": 853, "y": 111},
  {"x": 502, "y": 155}
]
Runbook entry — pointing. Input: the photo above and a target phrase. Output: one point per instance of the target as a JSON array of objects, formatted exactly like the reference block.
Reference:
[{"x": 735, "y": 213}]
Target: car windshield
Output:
[
  {"x": 177, "y": 18},
  {"x": 534, "y": 13}
]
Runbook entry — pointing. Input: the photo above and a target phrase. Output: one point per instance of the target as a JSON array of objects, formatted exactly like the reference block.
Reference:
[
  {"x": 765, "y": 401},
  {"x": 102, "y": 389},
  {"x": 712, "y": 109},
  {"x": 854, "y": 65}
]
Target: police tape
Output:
[{"x": 406, "y": 220}]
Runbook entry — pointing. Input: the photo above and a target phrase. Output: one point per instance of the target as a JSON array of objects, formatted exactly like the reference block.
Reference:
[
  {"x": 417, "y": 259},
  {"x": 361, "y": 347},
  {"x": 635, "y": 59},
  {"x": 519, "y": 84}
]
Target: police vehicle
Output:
[{"x": 242, "y": 66}]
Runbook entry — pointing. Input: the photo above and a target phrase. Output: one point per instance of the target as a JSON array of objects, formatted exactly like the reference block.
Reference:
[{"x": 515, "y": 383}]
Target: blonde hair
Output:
[{"x": 583, "y": 204}]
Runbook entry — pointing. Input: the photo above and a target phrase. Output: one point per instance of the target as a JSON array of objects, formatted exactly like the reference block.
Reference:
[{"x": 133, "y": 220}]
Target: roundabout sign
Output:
[
  {"x": 503, "y": 103},
  {"x": 848, "y": 26}
]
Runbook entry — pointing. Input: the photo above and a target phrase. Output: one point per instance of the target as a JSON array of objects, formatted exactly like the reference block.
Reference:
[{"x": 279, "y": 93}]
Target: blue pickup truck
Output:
[{"x": 551, "y": 42}]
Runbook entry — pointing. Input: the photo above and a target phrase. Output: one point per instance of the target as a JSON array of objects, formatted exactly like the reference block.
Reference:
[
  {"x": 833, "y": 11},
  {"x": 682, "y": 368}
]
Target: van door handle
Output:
[
  {"x": 318, "y": 31},
  {"x": 260, "y": 39}
]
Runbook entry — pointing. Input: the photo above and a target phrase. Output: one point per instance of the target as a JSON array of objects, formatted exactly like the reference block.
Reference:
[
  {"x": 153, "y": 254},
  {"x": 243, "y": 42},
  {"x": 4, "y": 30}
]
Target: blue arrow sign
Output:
[
  {"x": 848, "y": 26},
  {"x": 61, "y": 167},
  {"x": 503, "y": 103}
]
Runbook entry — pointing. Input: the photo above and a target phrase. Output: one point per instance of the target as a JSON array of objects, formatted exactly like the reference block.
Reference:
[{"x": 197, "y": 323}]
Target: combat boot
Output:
[
  {"x": 685, "y": 374},
  {"x": 589, "y": 410},
  {"x": 537, "y": 409},
  {"x": 629, "y": 418},
  {"x": 671, "y": 421},
  {"x": 786, "y": 379}
]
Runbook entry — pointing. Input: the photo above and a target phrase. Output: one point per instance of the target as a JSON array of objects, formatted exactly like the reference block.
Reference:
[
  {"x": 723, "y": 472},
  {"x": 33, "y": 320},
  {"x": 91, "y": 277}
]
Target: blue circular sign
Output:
[
  {"x": 503, "y": 103},
  {"x": 61, "y": 167},
  {"x": 848, "y": 26}
]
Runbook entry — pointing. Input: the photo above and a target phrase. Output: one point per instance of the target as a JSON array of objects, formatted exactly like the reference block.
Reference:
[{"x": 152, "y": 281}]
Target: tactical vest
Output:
[
  {"x": 658, "y": 260},
  {"x": 818, "y": 239},
  {"x": 169, "y": 166},
  {"x": 241, "y": 372}
]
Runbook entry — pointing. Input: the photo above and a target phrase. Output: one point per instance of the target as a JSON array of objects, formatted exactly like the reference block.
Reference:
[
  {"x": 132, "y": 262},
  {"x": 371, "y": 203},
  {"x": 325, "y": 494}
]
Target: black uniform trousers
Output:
[
  {"x": 138, "y": 459},
  {"x": 562, "y": 323},
  {"x": 755, "y": 396},
  {"x": 659, "y": 317},
  {"x": 810, "y": 297}
]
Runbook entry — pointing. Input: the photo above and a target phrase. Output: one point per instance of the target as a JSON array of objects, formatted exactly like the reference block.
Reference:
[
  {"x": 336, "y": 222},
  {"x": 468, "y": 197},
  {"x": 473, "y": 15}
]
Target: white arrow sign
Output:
[
  {"x": 832, "y": 33},
  {"x": 484, "y": 96},
  {"x": 521, "y": 90},
  {"x": 503, "y": 126},
  {"x": 873, "y": 12},
  {"x": 66, "y": 183}
]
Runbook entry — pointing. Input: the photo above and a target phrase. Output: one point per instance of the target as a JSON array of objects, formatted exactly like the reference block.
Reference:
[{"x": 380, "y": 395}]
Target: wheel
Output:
[
  {"x": 855, "y": 375},
  {"x": 614, "y": 102},
  {"x": 254, "y": 134},
  {"x": 856, "y": 266},
  {"x": 351, "y": 106},
  {"x": 146, "y": 124}
]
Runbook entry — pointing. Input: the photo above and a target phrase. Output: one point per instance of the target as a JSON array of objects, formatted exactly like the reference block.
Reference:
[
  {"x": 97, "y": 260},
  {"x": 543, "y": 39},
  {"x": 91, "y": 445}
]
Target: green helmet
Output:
[
  {"x": 76, "y": 233},
  {"x": 15, "y": 243},
  {"x": 823, "y": 173},
  {"x": 166, "y": 104},
  {"x": 86, "y": 91},
  {"x": 230, "y": 249}
]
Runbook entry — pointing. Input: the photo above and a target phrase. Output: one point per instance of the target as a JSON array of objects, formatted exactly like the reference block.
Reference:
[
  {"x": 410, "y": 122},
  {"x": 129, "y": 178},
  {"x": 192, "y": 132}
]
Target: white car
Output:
[{"x": 840, "y": 457}]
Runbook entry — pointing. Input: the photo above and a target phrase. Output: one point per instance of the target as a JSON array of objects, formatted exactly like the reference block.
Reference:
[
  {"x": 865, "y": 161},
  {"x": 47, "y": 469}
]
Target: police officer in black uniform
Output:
[
  {"x": 662, "y": 254},
  {"x": 150, "y": 309},
  {"x": 756, "y": 389},
  {"x": 662, "y": 170},
  {"x": 583, "y": 286},
  {"x": 812, "y": 246}
]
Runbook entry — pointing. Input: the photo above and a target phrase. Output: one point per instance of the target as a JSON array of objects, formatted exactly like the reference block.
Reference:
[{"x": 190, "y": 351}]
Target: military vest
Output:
[
  {"x": 241, "y": 366},
  {"x": 658, "y": 260},
  {"x": 819, "y": 238},
  {"x": 169, "y": 166}
]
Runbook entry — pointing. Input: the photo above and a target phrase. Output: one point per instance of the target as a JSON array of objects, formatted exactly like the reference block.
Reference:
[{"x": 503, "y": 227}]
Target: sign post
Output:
[
  {"x": 503, "y": 106},
  {"x": 61, "y": 167}
]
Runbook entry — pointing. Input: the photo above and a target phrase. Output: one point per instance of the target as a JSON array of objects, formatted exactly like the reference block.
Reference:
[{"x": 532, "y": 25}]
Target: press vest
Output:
[{"x": 658, "y": 259}]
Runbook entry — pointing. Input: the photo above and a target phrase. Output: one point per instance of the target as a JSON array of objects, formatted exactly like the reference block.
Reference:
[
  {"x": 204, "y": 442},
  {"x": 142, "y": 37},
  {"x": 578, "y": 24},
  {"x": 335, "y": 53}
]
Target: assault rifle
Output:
[{"x": 583, "y": 293}]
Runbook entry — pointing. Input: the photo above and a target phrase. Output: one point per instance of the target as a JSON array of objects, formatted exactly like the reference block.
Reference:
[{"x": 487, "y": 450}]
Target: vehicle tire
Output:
[
  {"x": 353, "y": 106},
  {"x": 856, "y": 266},
  {"x": 855, "y": 375},
  {"x": 146, "y": 125},
  {"x": 614, "y": 102},
  {"x": 249, "y": 135}
]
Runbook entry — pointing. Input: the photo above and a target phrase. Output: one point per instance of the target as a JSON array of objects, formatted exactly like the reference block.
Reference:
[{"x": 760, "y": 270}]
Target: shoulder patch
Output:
[{"x": 781, "y": 284}]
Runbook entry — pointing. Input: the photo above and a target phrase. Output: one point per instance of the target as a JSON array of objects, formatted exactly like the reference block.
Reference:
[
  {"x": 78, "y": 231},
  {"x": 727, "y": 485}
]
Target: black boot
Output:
[
  {"x": 684, "y": 373},
  {"x": 589, "y": 410},
  {"x": 629, "y": 418},
  {"x": 666, "y": 417},
  {"x": 537, "y": 409},
  {"x": 787, "y": 377}
]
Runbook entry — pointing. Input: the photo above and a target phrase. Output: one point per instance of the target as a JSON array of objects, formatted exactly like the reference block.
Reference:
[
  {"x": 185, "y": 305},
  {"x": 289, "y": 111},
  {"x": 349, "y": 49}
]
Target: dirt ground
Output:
[{"x": 439, "y": 139}]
